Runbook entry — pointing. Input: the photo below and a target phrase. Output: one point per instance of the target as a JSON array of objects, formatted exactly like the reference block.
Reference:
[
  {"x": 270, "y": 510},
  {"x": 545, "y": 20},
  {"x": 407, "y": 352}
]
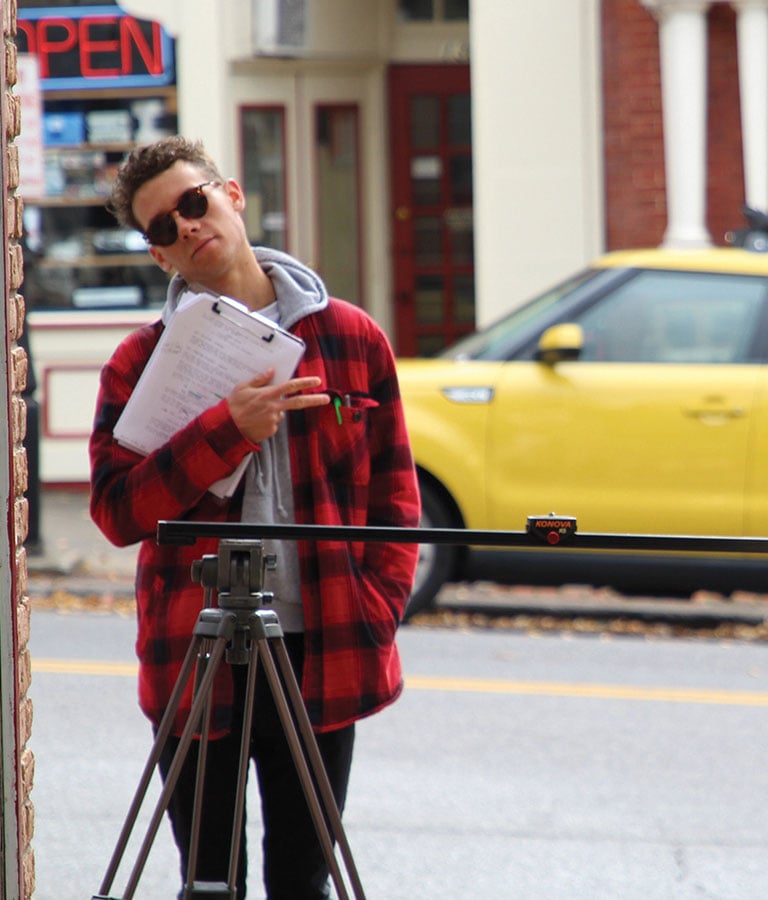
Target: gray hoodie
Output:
[{"x": 268, "y": 493}]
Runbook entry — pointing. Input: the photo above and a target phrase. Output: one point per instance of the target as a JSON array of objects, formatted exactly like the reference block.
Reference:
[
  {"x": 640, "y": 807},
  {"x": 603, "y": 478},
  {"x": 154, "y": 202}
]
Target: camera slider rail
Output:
[{"x": 548, "y": 530}]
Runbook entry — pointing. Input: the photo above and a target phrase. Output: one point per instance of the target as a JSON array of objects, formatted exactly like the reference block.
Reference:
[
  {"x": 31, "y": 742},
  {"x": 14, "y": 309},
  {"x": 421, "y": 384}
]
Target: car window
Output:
[
  {"x": 498, "y": 340},
  {"x": 674, "y": 317}
]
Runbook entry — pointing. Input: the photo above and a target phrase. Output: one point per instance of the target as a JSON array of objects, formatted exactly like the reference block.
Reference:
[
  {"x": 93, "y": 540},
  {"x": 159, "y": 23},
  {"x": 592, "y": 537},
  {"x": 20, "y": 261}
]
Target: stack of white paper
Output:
[{"x": 210, "y": 345}]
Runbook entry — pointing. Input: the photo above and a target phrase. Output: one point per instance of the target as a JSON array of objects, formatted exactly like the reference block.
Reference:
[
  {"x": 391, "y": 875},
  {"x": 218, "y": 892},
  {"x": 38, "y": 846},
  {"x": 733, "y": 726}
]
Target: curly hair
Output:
[{"x": 145, "y": 163}]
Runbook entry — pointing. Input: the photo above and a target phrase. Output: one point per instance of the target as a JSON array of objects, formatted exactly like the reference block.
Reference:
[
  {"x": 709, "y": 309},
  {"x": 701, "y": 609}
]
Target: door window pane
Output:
[
  {"x": 425, "y": 122},
  {"x": 461, "y": 179},
  {"x": 416, "y": 10},
  {"x": 263, "y": 155},
  {"x": 428, "y": 241},
  {"x": 338, "y": 200},
  {"x": 459, "y": 120},
  {"x": 433, "y": 10},
  {"x": 457, "y": 10},
  {"x": 426, "y": 178},
  {"x": 429, "y": 299},
  {"x": 464, "y": 299},
  {"x": 460, "y": 224}
]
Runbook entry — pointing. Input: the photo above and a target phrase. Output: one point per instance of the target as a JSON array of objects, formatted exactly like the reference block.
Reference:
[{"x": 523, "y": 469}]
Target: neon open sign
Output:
[{"x": 95, "y": 47}]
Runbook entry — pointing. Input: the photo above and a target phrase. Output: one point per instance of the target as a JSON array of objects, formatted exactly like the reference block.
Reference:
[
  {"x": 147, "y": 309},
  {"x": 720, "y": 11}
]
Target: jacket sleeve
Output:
[{"x": 130, "y": 492}]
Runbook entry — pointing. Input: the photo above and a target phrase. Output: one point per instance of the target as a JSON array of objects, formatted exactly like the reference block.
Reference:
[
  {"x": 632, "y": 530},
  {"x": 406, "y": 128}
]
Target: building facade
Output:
[{"x": 437, "y": 162}]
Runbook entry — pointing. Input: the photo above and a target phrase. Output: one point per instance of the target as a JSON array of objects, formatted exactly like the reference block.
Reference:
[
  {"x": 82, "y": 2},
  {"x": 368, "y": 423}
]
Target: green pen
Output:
[{"x": 337, "y": 404}]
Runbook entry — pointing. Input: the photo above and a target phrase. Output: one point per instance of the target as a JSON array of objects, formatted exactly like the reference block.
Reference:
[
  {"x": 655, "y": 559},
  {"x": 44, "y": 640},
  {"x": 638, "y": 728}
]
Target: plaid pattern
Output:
[{"x": 359, "y": 472}]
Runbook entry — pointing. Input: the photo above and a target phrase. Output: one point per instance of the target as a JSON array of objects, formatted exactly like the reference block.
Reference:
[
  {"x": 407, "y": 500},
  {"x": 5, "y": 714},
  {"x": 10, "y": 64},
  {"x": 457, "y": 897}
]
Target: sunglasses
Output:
[{"x": 192, "y": 204}]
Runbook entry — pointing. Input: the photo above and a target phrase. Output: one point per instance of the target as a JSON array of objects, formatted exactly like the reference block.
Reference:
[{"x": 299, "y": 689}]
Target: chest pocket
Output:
[{"x": 344, "y": 426}]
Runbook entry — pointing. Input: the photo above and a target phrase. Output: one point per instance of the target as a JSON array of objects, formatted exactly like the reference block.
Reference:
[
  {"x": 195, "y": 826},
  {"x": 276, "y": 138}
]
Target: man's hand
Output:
[{"x": 258, "y": 406}]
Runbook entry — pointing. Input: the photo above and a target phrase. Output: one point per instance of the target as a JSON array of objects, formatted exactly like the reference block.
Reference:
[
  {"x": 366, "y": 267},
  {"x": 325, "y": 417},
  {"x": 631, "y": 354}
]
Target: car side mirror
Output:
[{"x": 560, "y": 343}]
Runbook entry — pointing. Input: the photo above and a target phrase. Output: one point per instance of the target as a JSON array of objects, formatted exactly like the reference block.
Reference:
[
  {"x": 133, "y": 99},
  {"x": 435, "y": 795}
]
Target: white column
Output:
[
  {"x": 752, "y": 32},
  {"x": 683, "y": 45}
]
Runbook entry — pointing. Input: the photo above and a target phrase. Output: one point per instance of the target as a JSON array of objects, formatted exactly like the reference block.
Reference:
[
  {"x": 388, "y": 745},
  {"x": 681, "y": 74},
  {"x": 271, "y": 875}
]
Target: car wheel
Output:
[{"x": 437, "y": 562}]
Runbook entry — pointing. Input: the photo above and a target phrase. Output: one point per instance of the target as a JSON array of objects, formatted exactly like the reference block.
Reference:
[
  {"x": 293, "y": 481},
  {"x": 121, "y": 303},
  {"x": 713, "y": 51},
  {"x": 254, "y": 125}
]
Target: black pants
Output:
[{"x": 294, "y": 864}]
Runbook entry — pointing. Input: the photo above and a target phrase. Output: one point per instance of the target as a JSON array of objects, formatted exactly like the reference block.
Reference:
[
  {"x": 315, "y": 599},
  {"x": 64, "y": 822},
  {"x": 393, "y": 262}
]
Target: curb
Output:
[{"x": 472, "y": 604}]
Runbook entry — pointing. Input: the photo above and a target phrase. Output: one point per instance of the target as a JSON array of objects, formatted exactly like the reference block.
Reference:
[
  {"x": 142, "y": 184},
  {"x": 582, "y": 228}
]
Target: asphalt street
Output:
[{"x": 520, "y": 766}]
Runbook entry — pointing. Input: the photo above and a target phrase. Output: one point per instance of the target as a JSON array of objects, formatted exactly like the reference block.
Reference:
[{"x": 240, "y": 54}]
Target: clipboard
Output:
[{"x": 210, "y": 344}]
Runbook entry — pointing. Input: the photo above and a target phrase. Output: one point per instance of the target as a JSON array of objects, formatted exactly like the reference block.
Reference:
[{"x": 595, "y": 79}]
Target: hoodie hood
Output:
[{"x": 298, "y": 290}]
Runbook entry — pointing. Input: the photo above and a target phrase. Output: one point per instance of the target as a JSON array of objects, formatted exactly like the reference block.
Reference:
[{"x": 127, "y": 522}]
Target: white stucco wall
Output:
[{"x": 537, "y": 146}]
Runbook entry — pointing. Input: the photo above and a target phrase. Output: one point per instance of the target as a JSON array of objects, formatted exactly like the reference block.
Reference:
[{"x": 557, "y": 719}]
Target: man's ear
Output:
[
  {"x": 158, "y": 257},
  {"x": 235, "y": 193}
]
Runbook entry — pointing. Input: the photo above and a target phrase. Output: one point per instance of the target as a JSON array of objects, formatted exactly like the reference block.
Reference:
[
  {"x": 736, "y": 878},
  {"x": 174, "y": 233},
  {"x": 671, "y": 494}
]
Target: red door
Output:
[{"x": 430, "y": 125}]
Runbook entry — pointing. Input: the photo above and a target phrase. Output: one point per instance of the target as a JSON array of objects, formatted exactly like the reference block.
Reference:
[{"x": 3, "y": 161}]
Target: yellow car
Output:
[{"x": 634, "y": 396}]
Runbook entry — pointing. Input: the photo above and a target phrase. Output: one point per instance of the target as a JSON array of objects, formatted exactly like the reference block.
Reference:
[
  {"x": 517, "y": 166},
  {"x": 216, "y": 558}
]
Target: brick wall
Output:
[
  {"x": 725, "y": 168},
  {"x": 635, "y": 198},
  {"x": 17, "y": 374},
  {"x": 635, "y": 193}
]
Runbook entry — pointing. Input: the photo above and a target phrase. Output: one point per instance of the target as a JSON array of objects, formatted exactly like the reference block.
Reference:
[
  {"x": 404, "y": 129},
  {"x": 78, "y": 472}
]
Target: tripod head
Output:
[{"x": 237, "y": 573}]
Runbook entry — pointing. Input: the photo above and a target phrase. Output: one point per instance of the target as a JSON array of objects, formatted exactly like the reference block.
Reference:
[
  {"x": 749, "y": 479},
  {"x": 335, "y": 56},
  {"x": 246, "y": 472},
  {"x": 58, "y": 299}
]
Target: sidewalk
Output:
[
  {"x": 77, "y": 565},
  {"x": 79, "y": 569}
]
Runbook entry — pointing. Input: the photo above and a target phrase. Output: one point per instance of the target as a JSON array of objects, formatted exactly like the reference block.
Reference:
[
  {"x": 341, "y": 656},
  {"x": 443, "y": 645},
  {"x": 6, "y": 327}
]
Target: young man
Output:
[{"x": 313, "y": 462}]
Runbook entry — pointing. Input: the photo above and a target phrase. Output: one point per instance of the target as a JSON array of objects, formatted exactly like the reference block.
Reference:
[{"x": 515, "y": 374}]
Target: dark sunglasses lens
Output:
[
  {"x": 193, "y": 204},
  {"x": 162, "y": 231}
]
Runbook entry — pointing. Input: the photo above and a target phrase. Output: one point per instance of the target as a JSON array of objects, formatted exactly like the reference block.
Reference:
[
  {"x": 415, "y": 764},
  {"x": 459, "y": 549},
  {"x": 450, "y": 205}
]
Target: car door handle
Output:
[{"x": 712, "y": 415}]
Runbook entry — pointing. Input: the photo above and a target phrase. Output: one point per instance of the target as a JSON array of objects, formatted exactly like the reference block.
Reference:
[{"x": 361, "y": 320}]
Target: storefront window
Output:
[
  {"x": 262, "y": 145},
  {"x": 84, "y": 112}
]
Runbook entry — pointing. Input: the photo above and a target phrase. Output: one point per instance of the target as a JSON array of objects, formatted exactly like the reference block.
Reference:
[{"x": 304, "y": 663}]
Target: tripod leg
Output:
[
  {"x": 242, "y": 778},
  {"x": 160, "y": 739},
  {"x": 173, "y": 773},
  {"x": 265, "y": 627},
  {"x": 203, "y": 662},
  {"x": 213, "y": 623},
  {"x": 318, "y": 767}
]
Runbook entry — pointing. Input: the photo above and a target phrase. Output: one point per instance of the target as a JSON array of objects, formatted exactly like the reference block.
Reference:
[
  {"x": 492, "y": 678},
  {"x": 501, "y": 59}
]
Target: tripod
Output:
[{"x": 240, "y": 632}]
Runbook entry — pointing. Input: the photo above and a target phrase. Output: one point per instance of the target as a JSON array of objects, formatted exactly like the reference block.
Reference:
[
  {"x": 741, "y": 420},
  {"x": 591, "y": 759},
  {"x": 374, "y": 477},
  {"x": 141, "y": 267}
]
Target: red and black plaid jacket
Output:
[{"x": 359, "y": 472}]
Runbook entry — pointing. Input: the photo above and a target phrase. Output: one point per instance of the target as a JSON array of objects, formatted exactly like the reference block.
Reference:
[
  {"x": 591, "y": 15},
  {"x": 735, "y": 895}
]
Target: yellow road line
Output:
[
  {"x": 83, "y": 667},
  {"x": 597, "y": 691},
  {"x": 474, "y": 685}
]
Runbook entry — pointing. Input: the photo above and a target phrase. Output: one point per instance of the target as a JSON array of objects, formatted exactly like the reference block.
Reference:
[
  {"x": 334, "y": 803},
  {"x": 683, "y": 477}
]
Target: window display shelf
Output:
[
  {"x": 105, "y": 146},
  {"x": 77, "y": 255},
  {"x": 68, "y": 200},
  {"x": 108, "y": 260}
]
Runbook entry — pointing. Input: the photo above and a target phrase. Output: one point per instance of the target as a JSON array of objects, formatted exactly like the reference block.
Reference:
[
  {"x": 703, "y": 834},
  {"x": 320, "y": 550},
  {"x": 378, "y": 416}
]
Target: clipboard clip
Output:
[{"x": 216, "y": 307}]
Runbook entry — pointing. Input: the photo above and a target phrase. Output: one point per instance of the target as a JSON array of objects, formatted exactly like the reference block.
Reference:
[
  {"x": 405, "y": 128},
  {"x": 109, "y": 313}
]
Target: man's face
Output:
[{"x": 205, "y": 247}]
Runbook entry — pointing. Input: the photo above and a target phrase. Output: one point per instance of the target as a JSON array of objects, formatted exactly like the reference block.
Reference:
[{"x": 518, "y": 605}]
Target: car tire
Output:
[{"x": 437, "y": 562}]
